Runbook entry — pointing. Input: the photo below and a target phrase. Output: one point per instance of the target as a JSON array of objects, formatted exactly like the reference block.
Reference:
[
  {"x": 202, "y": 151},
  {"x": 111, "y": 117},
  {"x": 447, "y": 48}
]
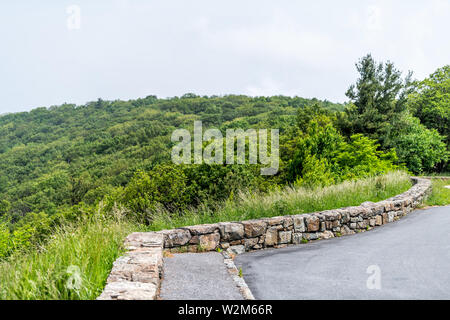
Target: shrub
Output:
[
  {"x": 323, "y": 157},
  {"x": 421, "y": 149},
  {"x": 165, "y": 185},
  {"x": 5, "y": 240}
]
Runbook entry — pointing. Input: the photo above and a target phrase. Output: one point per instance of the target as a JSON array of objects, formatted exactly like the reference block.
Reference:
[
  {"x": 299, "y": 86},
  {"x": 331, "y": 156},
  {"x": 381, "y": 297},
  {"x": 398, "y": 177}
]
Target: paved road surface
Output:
[
  {"x": 412, "y": 256},
  {"x": 197, "y": 276}
]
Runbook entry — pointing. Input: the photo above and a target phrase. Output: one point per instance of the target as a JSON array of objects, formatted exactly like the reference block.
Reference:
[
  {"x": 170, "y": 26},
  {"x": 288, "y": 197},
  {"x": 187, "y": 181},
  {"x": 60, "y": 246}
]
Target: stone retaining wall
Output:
[
  {"x": 239, "y": 237},
  {"x": 137, "y": 275}
]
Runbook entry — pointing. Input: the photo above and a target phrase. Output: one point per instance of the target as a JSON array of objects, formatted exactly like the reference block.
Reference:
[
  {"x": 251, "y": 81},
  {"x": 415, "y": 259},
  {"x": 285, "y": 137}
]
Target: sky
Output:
[{"x": 56, "y": 51}]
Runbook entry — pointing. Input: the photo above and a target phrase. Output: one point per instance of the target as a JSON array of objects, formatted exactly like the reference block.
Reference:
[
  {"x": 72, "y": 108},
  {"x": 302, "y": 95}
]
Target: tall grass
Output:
[
  {"x": 440, "y": 196},
  {"x": 72, "y": 265},
  {"x": 288, "y": 201}
]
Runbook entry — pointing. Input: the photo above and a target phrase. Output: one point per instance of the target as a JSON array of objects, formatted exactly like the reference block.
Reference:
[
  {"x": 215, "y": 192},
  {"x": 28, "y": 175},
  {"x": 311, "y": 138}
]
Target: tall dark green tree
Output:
[
  {"x": 431, "y": 101},
  {"x": 378, "y": 96},
  {"x": 379, "y": 109}
]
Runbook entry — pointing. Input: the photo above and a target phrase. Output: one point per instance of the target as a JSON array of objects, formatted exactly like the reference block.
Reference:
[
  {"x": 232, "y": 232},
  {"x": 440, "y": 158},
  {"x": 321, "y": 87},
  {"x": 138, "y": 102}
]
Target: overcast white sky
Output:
[{"x": 127, "y": 49}]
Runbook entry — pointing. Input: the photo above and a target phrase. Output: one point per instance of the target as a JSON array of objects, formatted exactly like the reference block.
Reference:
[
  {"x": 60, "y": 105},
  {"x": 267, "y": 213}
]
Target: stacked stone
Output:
[
  {"x": 137, "y": 274},
  {"x": 238, "y": 237}
]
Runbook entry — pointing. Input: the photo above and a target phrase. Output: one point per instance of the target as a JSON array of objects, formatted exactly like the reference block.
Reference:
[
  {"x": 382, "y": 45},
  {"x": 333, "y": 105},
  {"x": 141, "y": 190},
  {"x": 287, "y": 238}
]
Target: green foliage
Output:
[
  {"x": 37, "y": 226},
  {"x": 379, "y": 94},
  {"x": 360, "y": 157},
  {"x": 315, "y": 172},
  {"x": 440, "y": 195},
  {"x": 28, "y": 231},
  {"x": 431, "y": 102},
  {"x": 165, "y": 185},
  {"x": 61, "y": 161},
  {"x": 22, "y": 237},
  {"x": 379, "y": 110},
  {"x": 323, "y": 156},
  {"x": 65, "y": 169},
  {"x": 5, "y": 206},
  {"x": 316, "y": 145},
  {"x": 5, "y": 240},
  {"x": 61, "y": 156},
  {"x": 421, "y": 149},
  {"x": 174, "y": 188},
  {"x": 85, "y": 250}
]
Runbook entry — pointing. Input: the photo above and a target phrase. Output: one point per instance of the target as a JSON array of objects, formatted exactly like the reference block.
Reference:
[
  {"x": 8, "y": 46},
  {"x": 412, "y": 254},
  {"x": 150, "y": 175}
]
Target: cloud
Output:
[
  {"x": 127, "y": 49},
  {"x": 374, "y": 18},
  {"x": 277, "y": 40},
  {"x": 268, "y": 87}
]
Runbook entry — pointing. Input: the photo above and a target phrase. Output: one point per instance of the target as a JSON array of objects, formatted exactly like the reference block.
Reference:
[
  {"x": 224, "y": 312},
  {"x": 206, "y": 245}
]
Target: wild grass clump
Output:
[
  {"x": 440, "y": 196},
  {"x": 291, "y": 200},
  {"x": 73, "y": 264}
]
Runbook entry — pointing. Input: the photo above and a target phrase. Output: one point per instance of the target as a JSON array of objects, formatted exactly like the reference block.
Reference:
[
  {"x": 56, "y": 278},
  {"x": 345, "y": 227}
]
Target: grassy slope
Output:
[
  {"x": 440, "y": 195},
  {"x": 93, "y": 245},
  {"x": 44, "y": 274}
]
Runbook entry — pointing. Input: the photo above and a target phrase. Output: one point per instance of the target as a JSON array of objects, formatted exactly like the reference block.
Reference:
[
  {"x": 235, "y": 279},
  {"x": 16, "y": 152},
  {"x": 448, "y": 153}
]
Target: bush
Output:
[
  {"x": 323, "y": 157},
  {"x": 361, "y": 158},
  {"x": 165, "y": 185},
  {"x": 173, "y": 188},
  {"x": 431, "y": 101},
  {"x": 421, "y": 149},
  {"x": 5, "y": 240}
]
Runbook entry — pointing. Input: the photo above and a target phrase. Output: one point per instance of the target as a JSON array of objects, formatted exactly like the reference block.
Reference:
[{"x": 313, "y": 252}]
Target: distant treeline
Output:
[{"x": 57, "y": 163}]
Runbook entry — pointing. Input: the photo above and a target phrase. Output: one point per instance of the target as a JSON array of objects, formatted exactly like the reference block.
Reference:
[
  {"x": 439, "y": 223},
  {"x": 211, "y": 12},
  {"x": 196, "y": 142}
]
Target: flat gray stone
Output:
[
  {"x": 197, "y": 276},
  {"x": 128, "y": 290}
]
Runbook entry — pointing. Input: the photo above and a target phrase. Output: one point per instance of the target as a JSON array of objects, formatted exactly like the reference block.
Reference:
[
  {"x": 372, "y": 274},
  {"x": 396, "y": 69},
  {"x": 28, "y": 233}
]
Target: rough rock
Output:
[
  {"x": 231, "y": 230},
  {"x": 312, "y": 223},
  {"x": 311, "y": 236},
  {"x": 237, "y": 249},
  {"x": 129, "y": 290},
  {"x": 299, "y": 223},
  {"x": 274, "y": 221},
  {"x": 209, "y": 241},
  {"x": 271, "y": 237},
  {"x": 297, "y": 238},
  {"x": 254, "y": 228},
  {"x": 203, "y": 229},
  {"x": 284, "y": 237},
  {"x": 144, "y": 240},
  {"x": 378, "y": 220},
  {"x": 250, "y": 243},
  {"x": 176, "y": 237},
  {"x": 326, "y": 235}
]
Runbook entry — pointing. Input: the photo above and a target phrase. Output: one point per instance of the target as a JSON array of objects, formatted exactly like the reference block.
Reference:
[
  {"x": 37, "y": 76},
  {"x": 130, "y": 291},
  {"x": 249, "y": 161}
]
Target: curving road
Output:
[{"x": 406, "y": 259}]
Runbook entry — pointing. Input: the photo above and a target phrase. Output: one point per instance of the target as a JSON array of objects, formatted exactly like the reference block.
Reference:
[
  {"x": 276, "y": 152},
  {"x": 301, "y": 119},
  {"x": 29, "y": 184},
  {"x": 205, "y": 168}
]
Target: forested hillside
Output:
[
  {"x": 57, "y": 163},
  {"x": 66, "y": 154}
]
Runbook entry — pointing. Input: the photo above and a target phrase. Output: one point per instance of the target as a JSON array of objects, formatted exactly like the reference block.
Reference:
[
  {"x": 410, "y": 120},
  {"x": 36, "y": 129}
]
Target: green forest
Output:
[
  {"x": 58, "y": 163},
  {"x": 64, "y": 165}
]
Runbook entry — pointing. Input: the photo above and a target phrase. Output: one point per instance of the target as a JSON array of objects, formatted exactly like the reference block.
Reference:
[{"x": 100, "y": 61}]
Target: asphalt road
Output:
[
  {"x": 406, "y": 259},
  {"x": 197, "y": 276}
]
